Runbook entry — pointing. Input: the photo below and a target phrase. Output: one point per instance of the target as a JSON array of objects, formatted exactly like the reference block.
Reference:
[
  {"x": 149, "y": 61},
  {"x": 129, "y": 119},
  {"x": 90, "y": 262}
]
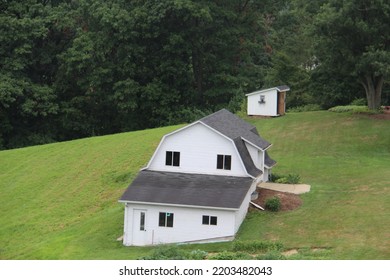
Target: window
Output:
[
  {"x": 172, "y": 158},
  {"x": 209, "y": 220},
  {"x": 165, "y": 219},
  {"x": 224, "y": 162},
  {"x": 262, "y": 99},
  {"x": 142, "y": 221}
]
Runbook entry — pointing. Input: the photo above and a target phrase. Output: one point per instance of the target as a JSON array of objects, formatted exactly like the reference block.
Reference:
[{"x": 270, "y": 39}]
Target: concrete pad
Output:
[{"x": 288, "y": 188}]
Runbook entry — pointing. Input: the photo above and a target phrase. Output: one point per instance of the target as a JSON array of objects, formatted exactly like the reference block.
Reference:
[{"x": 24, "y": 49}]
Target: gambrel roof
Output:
[{"x": 240, "y": 132}]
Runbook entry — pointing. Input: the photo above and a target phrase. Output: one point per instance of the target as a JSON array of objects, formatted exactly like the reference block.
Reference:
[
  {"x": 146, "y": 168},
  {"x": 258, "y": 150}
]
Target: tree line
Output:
[{"x": 72, "y": 69}]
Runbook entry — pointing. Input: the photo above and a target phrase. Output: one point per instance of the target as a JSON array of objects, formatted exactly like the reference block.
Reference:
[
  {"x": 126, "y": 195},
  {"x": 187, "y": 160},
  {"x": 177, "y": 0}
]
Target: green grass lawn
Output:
[
  {"x": 59, "y": 201},
  {"x": 346, "y": 160}
]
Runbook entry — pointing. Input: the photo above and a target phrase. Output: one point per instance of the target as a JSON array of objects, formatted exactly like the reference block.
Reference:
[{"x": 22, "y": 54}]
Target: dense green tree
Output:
[
  {"x": 291, "y": 50},
  {"x": 352, "y": 36},
  {"x": 71, "y": 69},
  {"x": 143, "y": 64},
  {"x": 27, "y": 101},
  {"x": 285, "y": 72},
  {"x": 329, "y": 87}
]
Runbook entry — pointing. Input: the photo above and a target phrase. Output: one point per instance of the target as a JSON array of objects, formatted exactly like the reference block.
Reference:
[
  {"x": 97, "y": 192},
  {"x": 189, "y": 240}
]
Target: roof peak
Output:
[
  {"x": 234, "y": 127},
  {"x": 221, "y": 111},
  {"x": 278, "y": 88}
]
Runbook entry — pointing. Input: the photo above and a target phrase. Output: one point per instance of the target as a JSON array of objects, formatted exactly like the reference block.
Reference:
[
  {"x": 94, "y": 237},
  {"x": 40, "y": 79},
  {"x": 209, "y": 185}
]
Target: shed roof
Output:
[
  {"x": 187, "y": 189},
  {"x": 277, "y": 88}
]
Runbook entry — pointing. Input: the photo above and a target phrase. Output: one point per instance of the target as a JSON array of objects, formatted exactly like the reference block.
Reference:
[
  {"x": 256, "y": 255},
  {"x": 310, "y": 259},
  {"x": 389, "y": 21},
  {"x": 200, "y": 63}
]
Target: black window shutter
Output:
[
  {"x": 228, "y": 162},
  {"x": 219, "y": 161},
  {"x": 168, "y": 158},
  {"x": 176, "y": 158}
]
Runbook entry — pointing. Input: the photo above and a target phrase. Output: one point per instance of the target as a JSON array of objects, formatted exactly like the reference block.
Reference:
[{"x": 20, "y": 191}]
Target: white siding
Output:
[
  {"x": 198, "y": 146},
  {"x": 256, "y": 155},
  {"x": 266, "y": 174},
  {"x": 269, "y": 108},
  {"x": 187, "y": 225},
  {"x": 126, "y": 226},
  {"x": 241, "y": 213},
  {"x": 261, "y": 156}
]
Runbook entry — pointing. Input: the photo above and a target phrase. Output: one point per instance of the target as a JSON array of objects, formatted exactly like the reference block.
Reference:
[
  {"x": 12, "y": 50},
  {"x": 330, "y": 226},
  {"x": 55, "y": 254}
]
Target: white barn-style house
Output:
[
  {"x": 198, "y": 184},
  {"x": 267, "y": 102}
]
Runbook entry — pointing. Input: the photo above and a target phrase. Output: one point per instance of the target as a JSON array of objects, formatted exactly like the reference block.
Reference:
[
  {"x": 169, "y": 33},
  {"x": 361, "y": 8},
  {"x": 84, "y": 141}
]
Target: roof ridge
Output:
[{"x": 212, "y": 114}]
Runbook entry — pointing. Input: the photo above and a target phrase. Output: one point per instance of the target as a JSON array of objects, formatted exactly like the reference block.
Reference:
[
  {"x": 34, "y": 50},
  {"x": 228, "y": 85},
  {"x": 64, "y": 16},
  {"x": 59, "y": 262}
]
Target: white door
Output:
[{"x": 139, "y": 227}]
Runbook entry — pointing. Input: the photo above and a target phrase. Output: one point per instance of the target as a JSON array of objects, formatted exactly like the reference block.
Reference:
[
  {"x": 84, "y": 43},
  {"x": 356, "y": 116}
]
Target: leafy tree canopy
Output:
[
  {"x": 353, "y": 37},
  {"x": 71, "y": 69}
]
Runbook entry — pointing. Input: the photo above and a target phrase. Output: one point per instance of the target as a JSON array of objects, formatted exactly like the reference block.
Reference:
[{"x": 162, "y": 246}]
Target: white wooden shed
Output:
[{"x": 268, "y": 102}]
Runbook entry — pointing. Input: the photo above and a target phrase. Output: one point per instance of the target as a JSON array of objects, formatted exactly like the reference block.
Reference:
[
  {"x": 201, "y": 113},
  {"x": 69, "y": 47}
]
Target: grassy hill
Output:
[{"x": 59, "y": 201}]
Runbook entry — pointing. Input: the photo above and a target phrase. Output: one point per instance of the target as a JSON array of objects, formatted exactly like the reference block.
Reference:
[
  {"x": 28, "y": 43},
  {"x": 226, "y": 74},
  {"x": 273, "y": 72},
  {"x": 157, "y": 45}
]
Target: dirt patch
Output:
[
  {"x": 384, "y": 116},
  {"x": 290, "y": 252},
  {"x": 259, "y": 117},
  {"x": 288, "y": 201}
]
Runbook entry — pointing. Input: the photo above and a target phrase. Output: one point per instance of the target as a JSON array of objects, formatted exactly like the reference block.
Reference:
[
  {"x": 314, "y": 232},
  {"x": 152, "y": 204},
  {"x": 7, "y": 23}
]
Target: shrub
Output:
[
  {"x": 305, "y": 108},
  {"x": 359, "y": 102},
  {"x": 273, "y": 204},
  {"x": 274, "y": 177},
  {"x": 231, "y": 256},
  {"x": 172, "y": 252},
  {"x": 166, "y": 253},
  {"x": 271, "y": 255},
  {"x": 290, "y": 178},
  {"x": 282, "y": 180},
  {"x": 350, "y": 108},
  {"x": 197, "y": 255},
  {"x": 293, "y": 178},
  {"x": 256, "y": 246}
]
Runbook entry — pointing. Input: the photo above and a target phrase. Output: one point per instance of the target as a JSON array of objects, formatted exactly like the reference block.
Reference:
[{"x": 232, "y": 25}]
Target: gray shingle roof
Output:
[
  {"x": 246, "y": 158},
  {"x": 278, "y": 88},
  {"x": 283, "y": 88},
  {"x": 237, "y": 129},
  {"x": 227, "y": 123},
  {"x": 233, "y": 127},
  {"x": 188, "y": 189},
  {"x": 268, "y": 161}
]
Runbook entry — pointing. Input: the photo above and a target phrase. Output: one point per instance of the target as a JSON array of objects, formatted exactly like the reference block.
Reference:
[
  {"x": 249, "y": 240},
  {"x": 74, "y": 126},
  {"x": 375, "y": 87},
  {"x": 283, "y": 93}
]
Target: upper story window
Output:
[
  {"x": 224, "y": 162},
  {"x": 172, "y": 158}
]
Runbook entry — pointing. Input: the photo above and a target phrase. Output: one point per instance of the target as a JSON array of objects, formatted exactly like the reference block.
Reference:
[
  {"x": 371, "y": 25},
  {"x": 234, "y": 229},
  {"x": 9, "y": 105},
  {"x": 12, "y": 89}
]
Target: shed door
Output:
[
  {"x": 139, "y": 227},
  {"x": 281, "y": 103}
]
